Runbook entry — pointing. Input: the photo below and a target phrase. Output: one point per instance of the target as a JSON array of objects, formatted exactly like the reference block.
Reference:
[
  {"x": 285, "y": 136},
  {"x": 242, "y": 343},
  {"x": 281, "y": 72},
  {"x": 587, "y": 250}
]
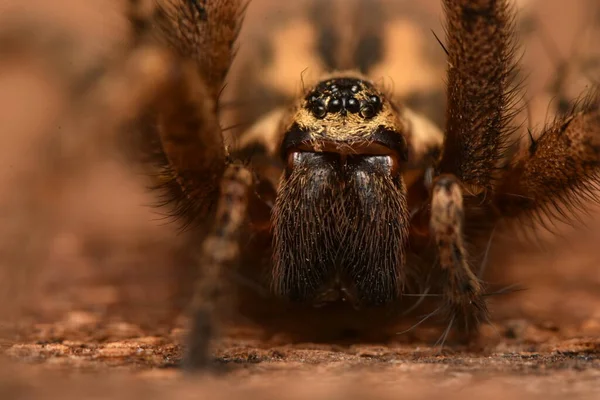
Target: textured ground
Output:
[{"x": 89, "y": 279}]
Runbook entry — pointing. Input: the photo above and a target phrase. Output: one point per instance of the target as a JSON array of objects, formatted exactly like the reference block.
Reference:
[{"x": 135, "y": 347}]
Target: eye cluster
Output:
[{"x": 343, "y": 96}]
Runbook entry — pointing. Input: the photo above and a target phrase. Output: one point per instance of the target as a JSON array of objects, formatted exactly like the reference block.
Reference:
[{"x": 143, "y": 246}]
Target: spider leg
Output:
[
  {"x": 164, "y": 88},
  {"x": 219, "y": 250},
  {"x": 205, "y": 32},
  {"x": 181, "y": 128},
  {"x": 480, "y": 47},
  {"x": 194, "y": 166},
  {"x": 462, "y": 292},
  {"x": 558, "y": 173}
]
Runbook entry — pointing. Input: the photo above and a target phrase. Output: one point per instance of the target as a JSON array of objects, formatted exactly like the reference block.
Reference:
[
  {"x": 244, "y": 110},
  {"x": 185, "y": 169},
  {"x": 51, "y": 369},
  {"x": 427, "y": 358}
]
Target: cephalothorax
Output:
[{"x": 353, "y": 197}]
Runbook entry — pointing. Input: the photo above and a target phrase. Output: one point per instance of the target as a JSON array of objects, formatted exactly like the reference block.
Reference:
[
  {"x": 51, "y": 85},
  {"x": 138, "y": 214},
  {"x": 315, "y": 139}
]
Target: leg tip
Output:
[{"x": 197, "y": 357}]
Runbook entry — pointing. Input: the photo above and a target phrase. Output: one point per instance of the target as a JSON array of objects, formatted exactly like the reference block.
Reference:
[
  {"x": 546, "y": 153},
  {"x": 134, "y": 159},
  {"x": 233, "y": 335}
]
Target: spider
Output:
[{"x": 349, "y": 196}]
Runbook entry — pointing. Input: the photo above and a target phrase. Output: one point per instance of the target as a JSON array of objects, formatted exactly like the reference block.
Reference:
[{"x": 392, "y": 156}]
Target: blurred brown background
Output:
[{"x": 80, "y": 248}]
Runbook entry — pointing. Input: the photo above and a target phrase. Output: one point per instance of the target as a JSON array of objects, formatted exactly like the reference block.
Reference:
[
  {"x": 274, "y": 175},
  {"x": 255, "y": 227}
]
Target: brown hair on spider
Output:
[{"x": 341, "y": 214}]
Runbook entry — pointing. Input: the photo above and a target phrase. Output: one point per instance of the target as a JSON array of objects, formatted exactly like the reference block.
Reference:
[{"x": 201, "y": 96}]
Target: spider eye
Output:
[
  {"x": 335, "y": 105},
  {"x": 370, "y": 108},
  {"x": 353, "y": 105},
  {"x": 367, "y": 111},
  {"x": 317, "y": 107}
]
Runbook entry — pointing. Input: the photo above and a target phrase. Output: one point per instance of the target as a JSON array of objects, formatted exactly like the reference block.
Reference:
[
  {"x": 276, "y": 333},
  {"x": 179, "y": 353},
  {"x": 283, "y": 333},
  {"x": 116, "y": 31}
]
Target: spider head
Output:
[
  {"x": 340, "y": 218},
  {"x": 346, "y": 115}
]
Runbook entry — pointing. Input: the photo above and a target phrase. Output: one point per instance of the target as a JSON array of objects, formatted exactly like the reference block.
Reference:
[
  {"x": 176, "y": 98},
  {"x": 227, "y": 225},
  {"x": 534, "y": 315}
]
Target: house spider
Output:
[{"x": 349, "y": 196}]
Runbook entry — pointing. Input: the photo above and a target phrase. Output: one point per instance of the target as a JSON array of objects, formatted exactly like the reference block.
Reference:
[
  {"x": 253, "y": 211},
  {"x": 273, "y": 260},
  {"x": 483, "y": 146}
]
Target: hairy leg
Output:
[
  {"x": 559, "y": 171},
  {"x": 164, "y": 86},
  {"x": 219, "y": 251},
  {"x": 183, "y": 137},
  {"x": 204, "y": 31},
  {"x": 551, "y": 177},
  {"x": 462, "y": 294},
  {"x": 480, "y": 48}
]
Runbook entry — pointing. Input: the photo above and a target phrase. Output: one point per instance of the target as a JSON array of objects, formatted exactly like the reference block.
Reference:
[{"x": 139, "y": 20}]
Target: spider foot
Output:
[
  {"x": 198, "y": 355},
  {"x": 465, "y": 312}
]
